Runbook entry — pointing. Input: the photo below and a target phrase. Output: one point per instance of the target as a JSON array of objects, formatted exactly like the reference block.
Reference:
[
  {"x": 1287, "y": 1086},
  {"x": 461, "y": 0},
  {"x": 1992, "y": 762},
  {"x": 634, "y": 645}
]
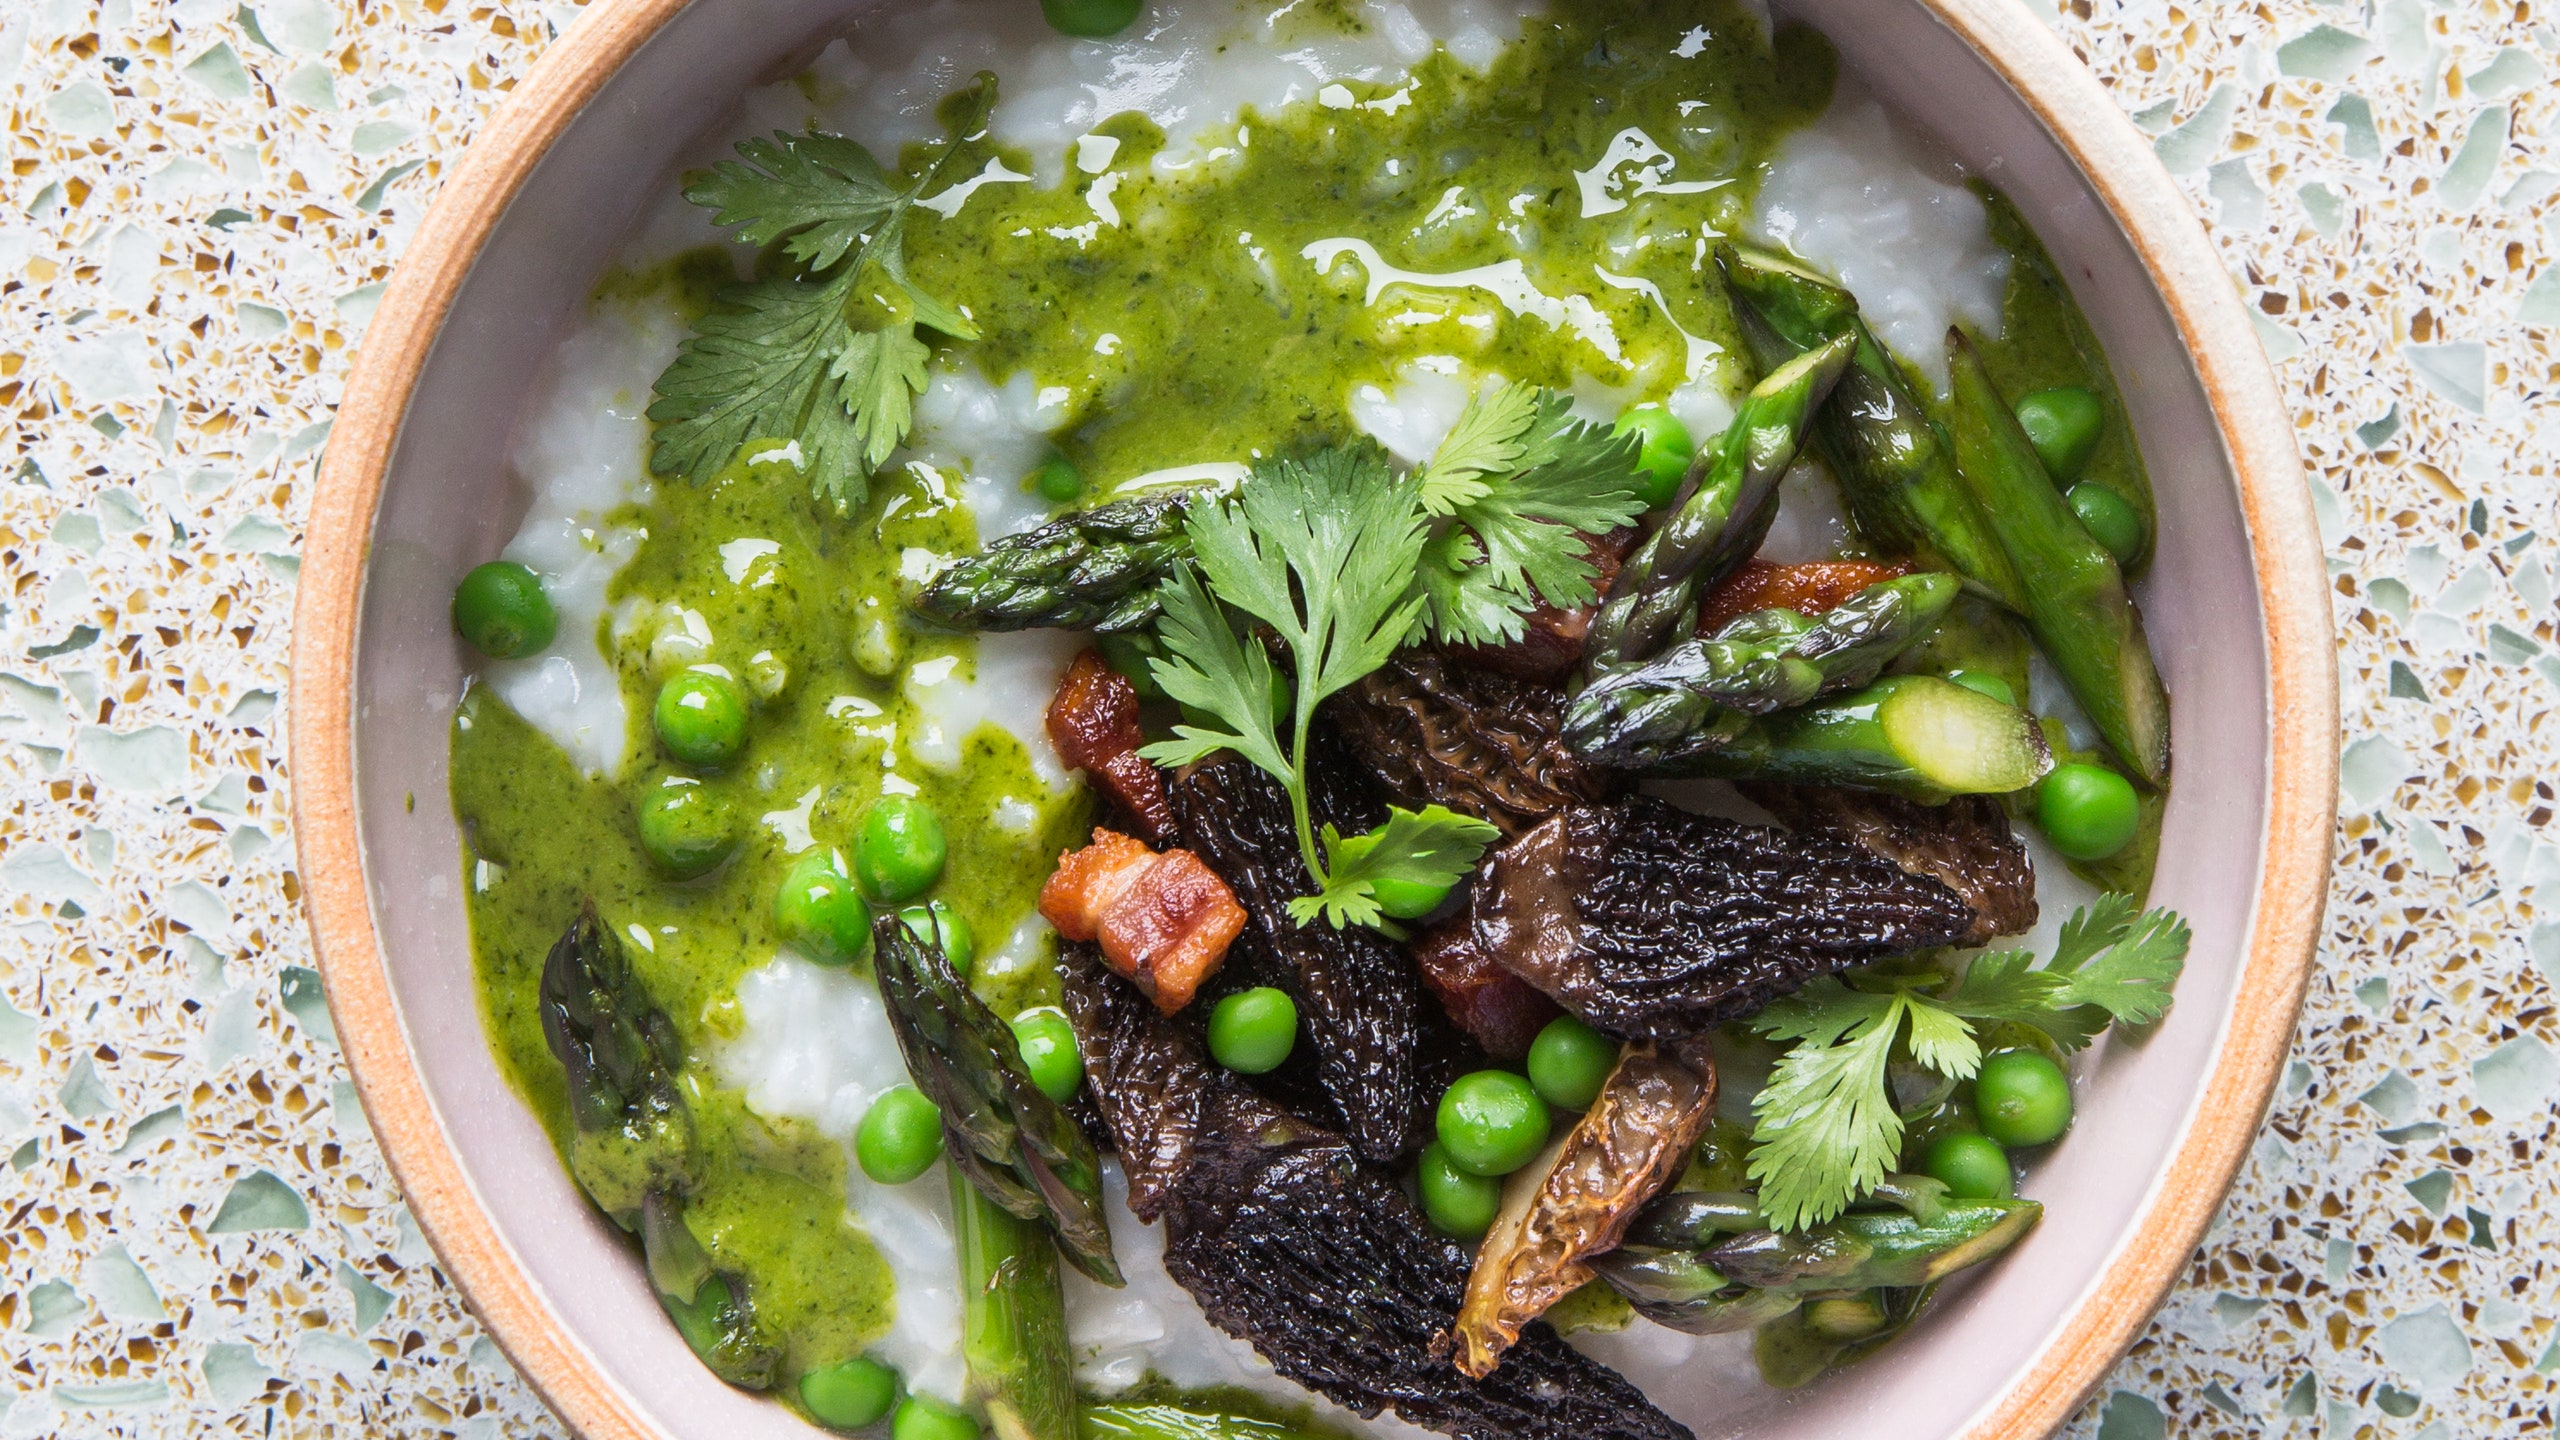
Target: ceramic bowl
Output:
[{"x": 414, "y": 490}]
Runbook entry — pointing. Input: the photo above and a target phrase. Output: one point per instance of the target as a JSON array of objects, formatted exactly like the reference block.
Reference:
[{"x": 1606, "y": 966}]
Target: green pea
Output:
[
  {"x": 2064, "y": 424},
  {"x": 2109, "y": 519},
  {"x": 1664, "y": 453},
  {"x": 500, "y": 608},
  {"x": 850, "y": 1393},
  {"x": 1252, "y": 1031},
  {"x": 1492, "y": 1122},
  {"x": 921, "y": 1417},
  {"x": 900, "y": 1136},
  {"x": 819, "y": 912},
  {"x": 1460, "y": 1204},
  {"x": 1569, "y": 1062},
  {"x": 687, "y": 828},
  {"x": 2089, "y": 812},
  {"x": 1092, "y": 19},
  {"x": 941, "y": 924},
  {"x": 1973, "y": 1167},
  {"x": 1130, "y": 655},
  {"x": 1048, "y": 1046},
  {"x": 1404, "y": 899},
  {"x": 702, "y": 717},
  {"x": 2022, "y": 1098},
  {"x": 898, "y": 849},
  {"x": 1983, "y": 682},
  {"x": 1056, "y": 481}
]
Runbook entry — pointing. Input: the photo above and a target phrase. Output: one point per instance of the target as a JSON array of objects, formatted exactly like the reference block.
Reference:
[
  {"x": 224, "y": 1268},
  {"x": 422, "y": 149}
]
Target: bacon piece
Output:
[
  {"x": 1093, "y": 725},
  {"x": 1550, "y": 643},
  {"x": 1498, "y": 1009},
  {"x": 1808, "y": 589},
  {"x": 1164, "y": 920}
]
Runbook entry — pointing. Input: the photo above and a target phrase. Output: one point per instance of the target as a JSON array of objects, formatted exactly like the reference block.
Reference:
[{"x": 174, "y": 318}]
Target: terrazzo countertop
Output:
[{"x": 202, "y": 202}]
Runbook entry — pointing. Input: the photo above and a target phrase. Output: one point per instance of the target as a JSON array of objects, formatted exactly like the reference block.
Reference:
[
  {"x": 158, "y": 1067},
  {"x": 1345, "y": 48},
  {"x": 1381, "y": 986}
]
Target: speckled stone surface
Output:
[{"x": 197, "y": 1234}]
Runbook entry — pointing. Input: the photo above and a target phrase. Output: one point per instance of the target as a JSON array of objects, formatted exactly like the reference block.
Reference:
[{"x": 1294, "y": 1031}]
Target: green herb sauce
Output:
[{"x": 1196, "y": 329}]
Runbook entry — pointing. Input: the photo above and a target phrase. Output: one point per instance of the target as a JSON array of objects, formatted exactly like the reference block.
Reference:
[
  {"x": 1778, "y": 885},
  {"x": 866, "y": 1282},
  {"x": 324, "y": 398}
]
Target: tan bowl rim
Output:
[{"x": 2119, "y": 165}]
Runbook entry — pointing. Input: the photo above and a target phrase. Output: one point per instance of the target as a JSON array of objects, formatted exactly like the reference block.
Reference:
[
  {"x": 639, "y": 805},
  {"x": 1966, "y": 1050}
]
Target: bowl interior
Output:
[{"x": 448, "y": 501}]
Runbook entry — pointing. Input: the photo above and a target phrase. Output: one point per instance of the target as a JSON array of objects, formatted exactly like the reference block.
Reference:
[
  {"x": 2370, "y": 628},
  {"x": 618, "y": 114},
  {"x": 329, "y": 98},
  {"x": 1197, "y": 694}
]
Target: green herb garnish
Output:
[
  {"x": 1321, "y": 549},
  {"x": 1432, "y": 849},
  {"x": 1827, "y": 1129},
  {"x": 1343, "y": 560},
  {"x": 1526, "y": 483},
  {"x": 823, "y": 346}
]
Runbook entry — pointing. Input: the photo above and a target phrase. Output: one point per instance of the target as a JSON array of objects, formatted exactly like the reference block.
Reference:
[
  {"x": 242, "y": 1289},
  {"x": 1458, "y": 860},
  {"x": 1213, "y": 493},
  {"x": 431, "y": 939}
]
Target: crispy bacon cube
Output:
[
  {"x": 1164, "y": 920},
  {"x": 1093, "y": 724},
  {"x": 1808, "y": 589}
]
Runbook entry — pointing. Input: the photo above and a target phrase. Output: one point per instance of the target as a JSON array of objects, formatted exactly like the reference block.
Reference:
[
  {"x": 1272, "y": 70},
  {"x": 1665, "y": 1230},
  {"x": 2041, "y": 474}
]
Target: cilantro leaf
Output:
[
  {"x": 1825, "y": 1128},
  {"x": 1465, "y": 603},
  {"x": 814, "y": 354},
  {"x": 1434, "y": 848},
  {"x": 2108, "y": 965},
  {"x": 1322, "y": 549},
  {"x": 1576, "y": 479},
  {"x": 759, "y": 365},
  {"x": 1491, "y": 435},
  {"x": 820, "y": 194},
  {"x": 2003, "y": 985},
  {"x": 1341, "y": 560},
  {"x": 2131, "y": 979},
  {"x": 1820, "y": 1013},
  {"x": 2090, "y": 930},
  {"x": 1206, "y": 667},
  {"x": 881, "y": 373},
  {"x": 1941, "y": 1040},
  {"x": 1528, "y": 482}
]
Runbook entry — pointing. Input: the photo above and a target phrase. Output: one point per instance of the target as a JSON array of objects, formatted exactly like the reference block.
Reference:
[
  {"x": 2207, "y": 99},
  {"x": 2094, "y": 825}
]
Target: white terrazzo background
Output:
[{"x": 197, "y": 1234}]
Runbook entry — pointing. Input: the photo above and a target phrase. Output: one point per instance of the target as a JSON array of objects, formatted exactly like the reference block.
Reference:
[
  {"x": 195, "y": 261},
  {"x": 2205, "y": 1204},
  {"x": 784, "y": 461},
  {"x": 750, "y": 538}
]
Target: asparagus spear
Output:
[
  {"x": 1712, "y": 1282},
  {"x": 1912, "y": 735},
  {"x": 2041, "y": 308},
  {"x": 1865, "y": 1249},
  {"x": 2077, "y": 609},
  {"x": 713, "y": 1309},
  {"x": 1695, "y": 1219},
  {"x": 1016, "y": 1145},
  {"x": 1761, "y": 663},
  {"x": 1014, "y": 1326},
  {"x": 1895, "y": 467},
  {"x": 1795, "y": 1349},
  {"x": 631, "y": 1135},
  {"x": 1975, "y": 635},
  {"x": 1720, "y": 516},
  {"x": 631, "y": 1141},
  {"x": 1097, "y": 570}
]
